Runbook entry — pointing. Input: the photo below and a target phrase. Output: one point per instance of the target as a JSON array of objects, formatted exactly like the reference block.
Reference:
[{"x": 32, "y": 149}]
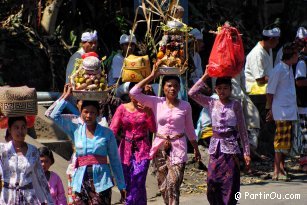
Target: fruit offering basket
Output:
[
  {"x": 172, "y": 57},
  {"x": 89, "y": 81}
]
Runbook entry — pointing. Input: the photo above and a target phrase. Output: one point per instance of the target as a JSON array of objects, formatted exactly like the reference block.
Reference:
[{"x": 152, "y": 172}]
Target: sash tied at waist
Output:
[
  {"x": 134, "y": 140},
  {"x": 223, "y": 135},
  {"x": 18, "y": 191},
  {"x": 167, "y": 144},
  {"x": 167, "y": 137},
  {"x": 90, "y": 160},
  {"x": 17, "y": 187}
]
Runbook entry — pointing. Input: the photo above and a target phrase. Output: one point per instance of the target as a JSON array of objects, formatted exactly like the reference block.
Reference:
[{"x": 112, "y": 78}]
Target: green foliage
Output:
[
  {"x": 150, "y": 45},
  {"x": 72, "y": 38},
  {"x": 121, "y": 23}
]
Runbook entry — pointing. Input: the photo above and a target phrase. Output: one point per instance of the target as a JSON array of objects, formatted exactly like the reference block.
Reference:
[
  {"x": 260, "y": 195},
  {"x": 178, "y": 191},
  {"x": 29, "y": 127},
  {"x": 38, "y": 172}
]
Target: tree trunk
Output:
[{"x": 50, "y": 15}]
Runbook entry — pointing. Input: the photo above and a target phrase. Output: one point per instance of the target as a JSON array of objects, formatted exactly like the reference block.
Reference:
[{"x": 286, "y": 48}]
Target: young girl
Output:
[
  {"x": 227, "y": 122},
  {"x": 54, "y": 181}
]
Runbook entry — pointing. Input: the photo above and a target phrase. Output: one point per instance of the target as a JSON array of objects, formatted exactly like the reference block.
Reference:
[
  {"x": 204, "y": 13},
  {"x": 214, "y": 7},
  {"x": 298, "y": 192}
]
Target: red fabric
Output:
[
  {"x": 227, "y": 55},
  {"x": 85, "y": 55},
  {"x": 90, "y": 160},
  {"x": 30, "y": 122}
]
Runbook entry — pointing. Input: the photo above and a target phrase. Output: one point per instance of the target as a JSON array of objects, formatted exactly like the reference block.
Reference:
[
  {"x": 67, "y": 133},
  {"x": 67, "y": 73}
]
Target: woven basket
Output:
[
  {"x": 90, "y": 95},
  {"x": 135, "y": 68},
  {"x": 18, "y": 101}
]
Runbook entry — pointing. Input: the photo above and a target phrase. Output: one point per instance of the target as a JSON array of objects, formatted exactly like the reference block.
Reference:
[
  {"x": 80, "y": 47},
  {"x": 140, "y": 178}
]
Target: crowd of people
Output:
[{"x": 228, "y": 118}]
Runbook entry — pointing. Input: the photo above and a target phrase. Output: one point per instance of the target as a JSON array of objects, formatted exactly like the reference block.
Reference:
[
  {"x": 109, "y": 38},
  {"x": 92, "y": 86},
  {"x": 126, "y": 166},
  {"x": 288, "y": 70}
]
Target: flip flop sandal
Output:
[
  {"x": 285, "y": 178},
  {"x": 275, "y": 178}
]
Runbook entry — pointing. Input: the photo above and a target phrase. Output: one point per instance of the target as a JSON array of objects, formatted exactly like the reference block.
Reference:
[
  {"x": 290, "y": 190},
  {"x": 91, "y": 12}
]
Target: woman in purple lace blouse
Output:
[
  {"x": 227, "y": 124},
  {"x": 135, "y": 122}
]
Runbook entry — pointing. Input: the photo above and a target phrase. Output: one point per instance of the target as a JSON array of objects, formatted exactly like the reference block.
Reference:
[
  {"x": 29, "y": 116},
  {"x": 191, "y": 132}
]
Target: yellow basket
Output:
[{"x": 136, "y": 68}]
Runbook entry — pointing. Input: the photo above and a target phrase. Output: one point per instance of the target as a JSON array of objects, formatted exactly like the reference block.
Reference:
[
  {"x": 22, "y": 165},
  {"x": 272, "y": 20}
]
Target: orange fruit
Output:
[
  {"x": 181, "y": 53},
  {"x": 160, "y": 55}
]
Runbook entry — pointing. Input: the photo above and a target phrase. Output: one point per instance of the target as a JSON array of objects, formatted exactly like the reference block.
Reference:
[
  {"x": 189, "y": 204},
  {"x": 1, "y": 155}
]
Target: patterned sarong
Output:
[
  {"x": 88, "y": 195},
  {"x": 282, "y": 139},
  {"x": 223, "y": 178},
  {"x": 169, "y": 177},
  {"x": 303, "y": 123}
]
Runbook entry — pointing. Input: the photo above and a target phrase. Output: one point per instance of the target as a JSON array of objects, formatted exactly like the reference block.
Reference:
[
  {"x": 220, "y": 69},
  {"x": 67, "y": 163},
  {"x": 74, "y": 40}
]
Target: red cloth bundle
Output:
[
  {"x": 227, "y": 55},
  {"x": 30, "y": 121},
  {"x": 85, "y": 55}
]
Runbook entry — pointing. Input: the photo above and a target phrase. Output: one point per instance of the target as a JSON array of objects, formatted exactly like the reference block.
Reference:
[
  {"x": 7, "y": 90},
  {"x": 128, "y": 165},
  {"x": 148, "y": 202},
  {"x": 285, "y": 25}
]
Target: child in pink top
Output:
[{"x": 54, "y": 181}]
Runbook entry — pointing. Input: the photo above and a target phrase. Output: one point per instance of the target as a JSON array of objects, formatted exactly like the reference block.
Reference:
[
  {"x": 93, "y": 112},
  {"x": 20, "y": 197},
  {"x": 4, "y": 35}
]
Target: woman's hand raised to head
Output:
[
  {"x": 148, "y": 89},
  {"x": 66, "y": 88},
  {"x": 154, "y": 74},
  {"x": 205, "y": 75},
  {"x": 64, "y": 91},
  {"x": 155, "y": 71},
  {"x": 67, "y": 91}
]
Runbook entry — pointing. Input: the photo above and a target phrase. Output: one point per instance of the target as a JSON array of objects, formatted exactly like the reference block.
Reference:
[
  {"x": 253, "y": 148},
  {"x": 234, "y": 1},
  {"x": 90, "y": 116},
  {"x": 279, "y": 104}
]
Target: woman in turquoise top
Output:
[{"x": 92, "y": 181}]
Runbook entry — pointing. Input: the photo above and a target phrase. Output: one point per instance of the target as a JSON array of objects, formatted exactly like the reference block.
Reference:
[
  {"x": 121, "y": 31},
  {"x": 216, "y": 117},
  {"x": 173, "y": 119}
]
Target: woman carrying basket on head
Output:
[
  {"x": 227, "y": 123},
  {"x": 174, "y": 122},
  {"x": 93, "y": 143}
]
